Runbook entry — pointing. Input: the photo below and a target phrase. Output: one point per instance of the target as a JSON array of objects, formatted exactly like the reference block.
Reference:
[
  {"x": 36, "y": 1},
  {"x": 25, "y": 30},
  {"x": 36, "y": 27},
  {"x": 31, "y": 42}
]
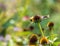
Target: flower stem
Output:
[{"x": 41, "y": 29}]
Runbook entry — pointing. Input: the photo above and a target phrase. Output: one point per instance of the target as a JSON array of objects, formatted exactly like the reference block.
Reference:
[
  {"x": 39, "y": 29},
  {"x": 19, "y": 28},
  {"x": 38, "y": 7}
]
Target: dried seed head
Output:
[
  {"x": 50, "y": 25},
  {"x": 36, "y": 19},
  {"x": 31, "y": 28},
  {"x": 44, "y": 40},
  {"x": 33, "y": 39}
]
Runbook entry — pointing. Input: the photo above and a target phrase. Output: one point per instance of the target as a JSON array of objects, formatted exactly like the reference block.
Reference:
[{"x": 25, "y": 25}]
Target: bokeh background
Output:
[{"x": 15, "y": 15}]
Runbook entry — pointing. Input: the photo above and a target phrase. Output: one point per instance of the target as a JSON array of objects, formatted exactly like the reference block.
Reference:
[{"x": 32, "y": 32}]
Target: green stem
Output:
[
  {"x": 50, "y": 44},
  {"x": 51, "y": 36},
  {"x": 41, "y": 29}
]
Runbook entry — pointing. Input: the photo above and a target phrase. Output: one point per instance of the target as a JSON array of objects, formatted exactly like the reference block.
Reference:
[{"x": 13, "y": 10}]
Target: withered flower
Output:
[
  {"x": 50, "y": 25},
  {"x": 44, "y": 41},
  {"x": 33, "y": 39},
  {"x": 36, "y": 19}
]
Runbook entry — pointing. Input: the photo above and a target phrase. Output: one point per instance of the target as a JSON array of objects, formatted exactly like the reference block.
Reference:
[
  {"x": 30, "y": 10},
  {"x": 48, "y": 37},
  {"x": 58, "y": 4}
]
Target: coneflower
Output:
[
  {"x": 36, "y": 19},
  {"x": 31, "y": 27},
  {"x": 50, "y": 25},
  {"x": 33, "y": 39},
  {"x": 44, "y": 41}
]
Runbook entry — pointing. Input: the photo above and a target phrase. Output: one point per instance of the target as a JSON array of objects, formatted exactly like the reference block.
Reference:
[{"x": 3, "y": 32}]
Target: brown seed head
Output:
[
  {"x": 50, "y": 25},
  {"x": 31, "y": 28},
  {"x": 33, "y": 39},
  {"x": 36, "y": 19},
  {"x": 43, "y": 40}
]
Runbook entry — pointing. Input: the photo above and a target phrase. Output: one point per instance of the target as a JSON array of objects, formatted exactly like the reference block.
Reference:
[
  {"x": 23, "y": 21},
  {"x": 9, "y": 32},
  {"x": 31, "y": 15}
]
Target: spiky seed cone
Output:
[
  {"x": 31, "y": 28},
  {"x": 44, "y": 41},
  {"x": 33, "y": 39},
  {"x": 50, "y": 25},
  {"x": 36, "y": 19}
]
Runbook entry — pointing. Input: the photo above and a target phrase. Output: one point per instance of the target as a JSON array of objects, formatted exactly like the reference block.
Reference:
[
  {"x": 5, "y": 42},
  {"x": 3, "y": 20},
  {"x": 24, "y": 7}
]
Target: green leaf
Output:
[{"x": 56, "y": 44}]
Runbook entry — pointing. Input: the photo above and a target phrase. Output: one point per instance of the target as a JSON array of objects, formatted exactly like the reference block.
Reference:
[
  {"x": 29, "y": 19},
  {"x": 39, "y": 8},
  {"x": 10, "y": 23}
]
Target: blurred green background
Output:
[{"x": 15, "y": 14}]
